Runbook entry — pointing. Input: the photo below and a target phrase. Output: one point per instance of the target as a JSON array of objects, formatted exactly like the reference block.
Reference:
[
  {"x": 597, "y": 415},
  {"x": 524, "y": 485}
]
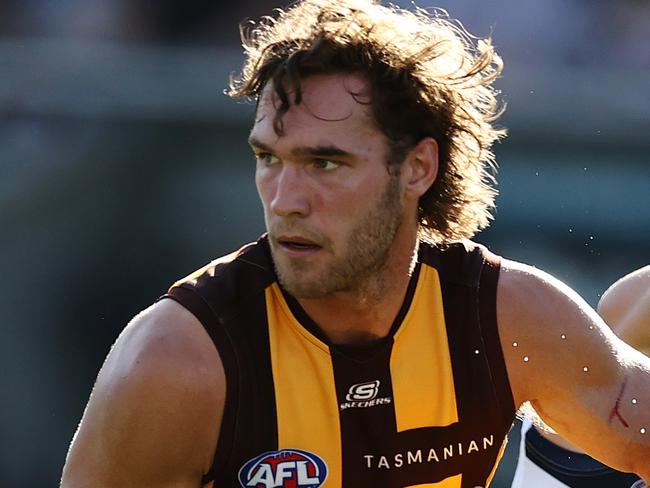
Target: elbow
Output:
[{"x": 639, "y": 464}]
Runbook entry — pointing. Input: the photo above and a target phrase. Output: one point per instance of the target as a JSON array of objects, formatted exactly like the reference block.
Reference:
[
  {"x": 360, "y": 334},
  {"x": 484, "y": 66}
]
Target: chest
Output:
[{"x": 417, "y": 410}]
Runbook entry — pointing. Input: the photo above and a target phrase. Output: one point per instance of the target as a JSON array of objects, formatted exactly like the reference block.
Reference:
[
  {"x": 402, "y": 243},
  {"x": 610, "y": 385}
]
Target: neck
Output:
[{"x": 368, "y": 312}]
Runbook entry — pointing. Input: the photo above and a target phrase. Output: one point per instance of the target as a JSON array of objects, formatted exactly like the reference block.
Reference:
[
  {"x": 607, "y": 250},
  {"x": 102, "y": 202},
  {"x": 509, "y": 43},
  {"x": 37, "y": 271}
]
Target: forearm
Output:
[{"x": 629, "y": 415}]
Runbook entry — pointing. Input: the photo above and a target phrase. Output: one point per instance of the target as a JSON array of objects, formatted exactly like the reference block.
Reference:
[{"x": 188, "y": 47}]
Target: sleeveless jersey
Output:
[
  {"x": 543, "y": 464},
  {"x": 428, "y": 406}
]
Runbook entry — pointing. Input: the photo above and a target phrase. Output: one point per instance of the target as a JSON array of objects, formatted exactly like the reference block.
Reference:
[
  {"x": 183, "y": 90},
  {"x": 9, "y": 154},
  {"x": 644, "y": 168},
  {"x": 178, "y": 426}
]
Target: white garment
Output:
[
  {"x": 573, "y": 468},
  {"x": 528, "y": 474}
]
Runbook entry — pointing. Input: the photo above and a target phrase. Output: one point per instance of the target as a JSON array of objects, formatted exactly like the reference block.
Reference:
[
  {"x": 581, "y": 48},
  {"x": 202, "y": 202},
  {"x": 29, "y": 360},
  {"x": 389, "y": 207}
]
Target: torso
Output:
[{"x": 428, "y": 405}]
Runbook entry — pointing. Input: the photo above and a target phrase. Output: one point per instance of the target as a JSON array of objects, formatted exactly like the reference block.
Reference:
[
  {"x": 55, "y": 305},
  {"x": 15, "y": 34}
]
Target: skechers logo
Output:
[
  {"x": 285, "y": 468},
  {"x": 364, "y": 395},
  {"x": 363, "y": 391}
]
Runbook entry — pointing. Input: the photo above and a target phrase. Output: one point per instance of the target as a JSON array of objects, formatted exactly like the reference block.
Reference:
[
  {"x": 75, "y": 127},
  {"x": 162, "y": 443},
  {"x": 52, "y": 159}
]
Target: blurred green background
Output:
[{"x": 124, "y": 167}]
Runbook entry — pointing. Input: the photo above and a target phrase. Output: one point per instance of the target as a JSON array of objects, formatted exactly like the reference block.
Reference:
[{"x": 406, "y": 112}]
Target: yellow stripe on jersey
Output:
[
  {"x": 305, "y": 393},
  {"x": 452, "y": 482},
  {"x": 420, "y": 364}
]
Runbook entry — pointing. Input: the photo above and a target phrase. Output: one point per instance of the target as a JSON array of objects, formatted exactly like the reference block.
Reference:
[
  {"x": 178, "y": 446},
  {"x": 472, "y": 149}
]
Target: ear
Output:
[{"x": 420, "y": 168}]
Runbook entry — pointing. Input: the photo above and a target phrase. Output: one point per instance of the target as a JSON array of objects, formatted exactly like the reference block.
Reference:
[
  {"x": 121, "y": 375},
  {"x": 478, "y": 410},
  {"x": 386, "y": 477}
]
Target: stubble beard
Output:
[{"x": 361, "y": 269}]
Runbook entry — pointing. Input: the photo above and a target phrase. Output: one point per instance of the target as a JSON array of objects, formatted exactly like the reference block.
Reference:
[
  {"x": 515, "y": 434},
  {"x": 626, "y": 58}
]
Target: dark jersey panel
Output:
[
  {"x": 228, "y": 299},
  {"x": 367, "y": 418}
]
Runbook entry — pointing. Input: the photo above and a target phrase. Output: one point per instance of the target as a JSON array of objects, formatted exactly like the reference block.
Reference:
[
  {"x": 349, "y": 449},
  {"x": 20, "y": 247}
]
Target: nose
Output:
[{"x": 289, "y": 198}]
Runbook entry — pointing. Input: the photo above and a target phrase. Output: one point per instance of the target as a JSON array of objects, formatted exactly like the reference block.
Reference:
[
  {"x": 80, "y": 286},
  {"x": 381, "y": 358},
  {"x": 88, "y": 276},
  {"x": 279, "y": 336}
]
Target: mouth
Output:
[{"x": 297, "y": 244}]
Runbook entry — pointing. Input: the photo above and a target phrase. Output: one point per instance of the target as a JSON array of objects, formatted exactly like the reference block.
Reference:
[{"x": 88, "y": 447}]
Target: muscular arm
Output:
[
  {"x": 588, "y": 385},
  {"x": 153, "y": 417}
]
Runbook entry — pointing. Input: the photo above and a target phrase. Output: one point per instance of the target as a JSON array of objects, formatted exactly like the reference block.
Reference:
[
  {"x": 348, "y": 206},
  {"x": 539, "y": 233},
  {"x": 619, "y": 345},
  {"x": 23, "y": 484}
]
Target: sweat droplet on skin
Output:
[
  {"x": 515, "y": 344},
  {"x": 563, "y": 337},
  {"x": 526, "y": 359},
  {"x": 634, "y": 401},
  {"x": 642, "y": 430},
  {"x": 585, "y": 369}
]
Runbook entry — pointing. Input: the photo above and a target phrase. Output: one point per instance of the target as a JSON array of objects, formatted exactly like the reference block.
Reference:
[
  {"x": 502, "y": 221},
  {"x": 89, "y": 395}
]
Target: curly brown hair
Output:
[{"x": 427, "y": 75}]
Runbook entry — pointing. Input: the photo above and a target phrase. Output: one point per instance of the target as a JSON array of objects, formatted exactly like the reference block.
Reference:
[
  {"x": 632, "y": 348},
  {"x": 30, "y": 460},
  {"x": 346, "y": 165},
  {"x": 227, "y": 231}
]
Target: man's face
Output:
[{"x": 332, "y": 210}]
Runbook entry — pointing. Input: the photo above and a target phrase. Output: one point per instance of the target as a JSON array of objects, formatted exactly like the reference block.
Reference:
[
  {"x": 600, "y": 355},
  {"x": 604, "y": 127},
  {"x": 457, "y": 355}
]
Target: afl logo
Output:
[{"x": 283, "y": 469}]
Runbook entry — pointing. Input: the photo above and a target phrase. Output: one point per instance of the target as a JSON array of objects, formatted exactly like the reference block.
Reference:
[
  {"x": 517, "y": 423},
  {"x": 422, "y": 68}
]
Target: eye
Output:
[
  {"x": 265, "y": 158},
  {"x": 326, "y": 164}
]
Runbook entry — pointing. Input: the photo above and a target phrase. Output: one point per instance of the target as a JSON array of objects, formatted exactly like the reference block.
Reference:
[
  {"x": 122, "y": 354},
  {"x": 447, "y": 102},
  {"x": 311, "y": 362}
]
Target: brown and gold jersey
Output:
[{"x": 427, "y": 406}]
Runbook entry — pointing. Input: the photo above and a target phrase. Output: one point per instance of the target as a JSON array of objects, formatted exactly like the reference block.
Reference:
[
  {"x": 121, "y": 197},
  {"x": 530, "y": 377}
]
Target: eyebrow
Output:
[{"x": 320, "y": 150}]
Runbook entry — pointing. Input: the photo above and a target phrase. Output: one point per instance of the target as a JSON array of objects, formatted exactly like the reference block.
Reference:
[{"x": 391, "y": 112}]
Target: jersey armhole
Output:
[
  {"x": 490, "y": 330},
  {"x": 213, "y": 325}
]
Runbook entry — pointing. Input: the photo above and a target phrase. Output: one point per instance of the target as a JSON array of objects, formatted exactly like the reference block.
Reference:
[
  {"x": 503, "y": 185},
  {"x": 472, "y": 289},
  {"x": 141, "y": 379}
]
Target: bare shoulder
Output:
[
  {"x": 543, "y": 323},
  {"x": 154, "y": 414},
  {"x": 163, "y": 343}
]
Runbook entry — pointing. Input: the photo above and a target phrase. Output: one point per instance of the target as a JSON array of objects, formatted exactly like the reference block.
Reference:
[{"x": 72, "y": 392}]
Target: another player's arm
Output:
[
  {"x": 153, "y": 417},
  {"x": 625, "y": 306},
  {"x": 588, "y": 385}
]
